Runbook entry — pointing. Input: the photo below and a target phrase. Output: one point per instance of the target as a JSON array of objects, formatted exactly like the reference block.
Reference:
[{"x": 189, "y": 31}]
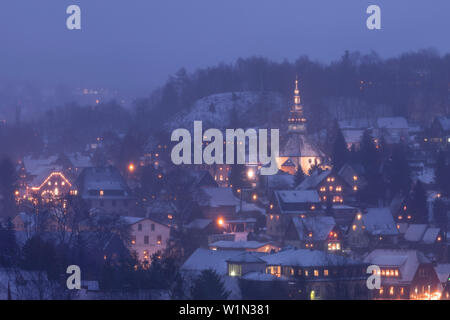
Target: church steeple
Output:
[{"x": 296, "y": 120}]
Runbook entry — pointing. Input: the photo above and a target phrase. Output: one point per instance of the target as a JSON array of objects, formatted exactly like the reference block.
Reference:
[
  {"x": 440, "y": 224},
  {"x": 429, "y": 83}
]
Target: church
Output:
[{"x": 298, "y": 151}]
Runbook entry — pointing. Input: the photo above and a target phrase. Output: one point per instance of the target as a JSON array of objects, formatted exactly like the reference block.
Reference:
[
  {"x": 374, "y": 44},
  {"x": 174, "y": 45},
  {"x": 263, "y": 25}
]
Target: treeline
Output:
[{"x": 414, "y": 85}]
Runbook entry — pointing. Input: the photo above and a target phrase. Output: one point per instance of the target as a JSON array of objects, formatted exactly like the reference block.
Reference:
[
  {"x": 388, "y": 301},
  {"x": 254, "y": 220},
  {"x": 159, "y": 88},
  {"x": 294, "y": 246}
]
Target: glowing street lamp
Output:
[
  {"x": 250, "y": 173},
  {"x": 131, "y": 167},
  {"x": 220, "y": 222}
]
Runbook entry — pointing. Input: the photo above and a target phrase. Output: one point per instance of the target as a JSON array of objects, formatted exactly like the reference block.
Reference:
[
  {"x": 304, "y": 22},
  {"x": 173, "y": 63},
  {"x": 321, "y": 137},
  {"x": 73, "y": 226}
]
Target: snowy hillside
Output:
[{"x": 253, "y": 109}]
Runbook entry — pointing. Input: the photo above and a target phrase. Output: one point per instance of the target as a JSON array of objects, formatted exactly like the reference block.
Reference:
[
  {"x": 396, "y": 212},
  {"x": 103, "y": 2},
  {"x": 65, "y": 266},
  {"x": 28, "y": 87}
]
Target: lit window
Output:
[
  {"x": 316, "y": 273},
  {"x": 325, "y": 272},
  {"x": 234, "y": 270}
]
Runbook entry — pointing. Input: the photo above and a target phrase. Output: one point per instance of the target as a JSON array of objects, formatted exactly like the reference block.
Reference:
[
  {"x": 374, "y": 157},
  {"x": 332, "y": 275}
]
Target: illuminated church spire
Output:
[{"x": 296, "y": 121}]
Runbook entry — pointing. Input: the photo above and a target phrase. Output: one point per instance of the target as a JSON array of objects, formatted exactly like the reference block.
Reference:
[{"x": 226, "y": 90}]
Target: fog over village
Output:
[{"x": 88, "y": 177}]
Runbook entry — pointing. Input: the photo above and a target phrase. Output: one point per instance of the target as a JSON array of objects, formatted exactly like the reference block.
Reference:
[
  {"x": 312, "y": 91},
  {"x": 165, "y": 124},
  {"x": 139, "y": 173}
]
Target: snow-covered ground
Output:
[{"x": 255, "y": 109}]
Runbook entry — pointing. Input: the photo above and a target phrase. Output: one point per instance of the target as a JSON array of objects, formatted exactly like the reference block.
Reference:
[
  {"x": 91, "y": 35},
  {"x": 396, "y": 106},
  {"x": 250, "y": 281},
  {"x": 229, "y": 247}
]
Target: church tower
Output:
[{"x": 296, "y": 120}]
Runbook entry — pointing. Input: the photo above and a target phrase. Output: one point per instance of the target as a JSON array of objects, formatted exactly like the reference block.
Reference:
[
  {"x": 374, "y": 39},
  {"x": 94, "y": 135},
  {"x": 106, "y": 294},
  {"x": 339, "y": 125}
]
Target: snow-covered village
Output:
[{"x": 357, "y": 206}]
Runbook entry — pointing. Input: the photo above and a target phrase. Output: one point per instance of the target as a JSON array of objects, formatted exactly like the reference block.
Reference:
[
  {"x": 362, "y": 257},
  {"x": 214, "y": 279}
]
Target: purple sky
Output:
[{"x": 134, "y": 45}]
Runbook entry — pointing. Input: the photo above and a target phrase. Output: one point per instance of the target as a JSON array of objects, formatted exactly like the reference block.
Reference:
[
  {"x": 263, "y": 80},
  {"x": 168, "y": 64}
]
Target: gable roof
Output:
[
  {"x": 204, "y": 259},
  {"x": 444, "y": 122},
  {"x": 319, "y": 227},
  {"x": 415, "y": 232},
  {"x": 307, "y": 258},
  {"x": 238, "y": 245},
  {"x": 406, "y": 260},
  {"x": 298, "y": 145},
  {"x": 217, "y": 197},
  {"x": 379, "y": 221},
  {"x": 392, "y": 123},
  {"x": 298, "y": 196},
  {"x": 443, "y": 272},
  {"x": 312, "y": 181}
]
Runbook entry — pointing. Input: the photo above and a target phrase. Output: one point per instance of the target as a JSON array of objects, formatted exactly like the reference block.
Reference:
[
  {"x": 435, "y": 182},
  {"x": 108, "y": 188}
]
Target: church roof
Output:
[{"x": 298, "y": 145}]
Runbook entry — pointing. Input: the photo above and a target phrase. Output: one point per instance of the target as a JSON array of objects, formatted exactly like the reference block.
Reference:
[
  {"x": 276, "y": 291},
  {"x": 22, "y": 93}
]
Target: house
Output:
[
  {"x": 405, "y": 274},
  {"x": 164, "y": 211},
  {"x": 392, "y": 129},
  {"x": 438, "y": 134},
  {"x": 285, "y": 204},
  {"x": 375, "y": 227},
  {"x": 279, "y": 181},
  {"x": 343, "y": 214},
  {"x": 329, "y": 185},
  {"x": 423, "y": 237},
  {"x": 105, "y": 189},
  {"x": 218, "y": 203},
  {"x": 148, "y": 237},
  {"x": 443, "y": 273},
  {"x": 353, "y": 130},
  {"x": 24, "y": 222},
  {"x": 319, "y": 275},
  {"x": 43, "y": 178},
  {"x": 320, "y": 233},
  {"x": 216, "y": 260},
  {"x": 306, "y": 274},
  {"x": 353, "y": 175},
  {"x": 249, "y": 246}
]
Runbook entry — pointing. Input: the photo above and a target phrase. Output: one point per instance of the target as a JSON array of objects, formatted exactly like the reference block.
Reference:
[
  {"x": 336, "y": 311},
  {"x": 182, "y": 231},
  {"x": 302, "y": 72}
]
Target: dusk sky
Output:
[{"x": 134, "y": 45}]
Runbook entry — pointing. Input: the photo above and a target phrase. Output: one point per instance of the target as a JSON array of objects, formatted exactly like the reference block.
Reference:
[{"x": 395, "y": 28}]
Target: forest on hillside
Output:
[{"x": 415, "y": 85}]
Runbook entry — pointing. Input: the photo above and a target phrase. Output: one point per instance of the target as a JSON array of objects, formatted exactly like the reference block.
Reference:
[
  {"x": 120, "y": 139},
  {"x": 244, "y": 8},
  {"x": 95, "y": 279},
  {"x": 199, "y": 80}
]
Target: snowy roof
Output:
[
  {"x": 307, "y": 258},
  {"x": 406, "y": 260},
  {"x": 107, "y": 179},
  {"x": 431, "y": 235},
  {"x": 379, "y": 221},
  {"x": 392, "y": 123},
  {"x": 131, "y": 220},
  {"x": 35, "y": 166},
  {"x": 298, "y": 196},
  {"x": 415, "y": 232},
  {"x": 312, "y": 181},
  {"x": 198, "y": 224},
  {"x": 280, "y": 181},
  {"x": 352, "y": 136},
  {"x": 261, "y": 276},
  {"x": 248, "y": 257},
  {"x": 79, "y": 161},
  {"x": 444, "y": 122},
  {"x": 421, "y": 233},
  {"x": 298, "y": 145},
  {"x": 251, "y": 207},
  {"x": 443, "y": 272},
  {"x": 204, "y": 259},
  {"x": 40, "y": 169},
  {"x": 238, "y": 244},
  {"x": 358, "y": 123},
  {"x": 319, "y": 226},
  {"x": 220, "y": 197}
]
